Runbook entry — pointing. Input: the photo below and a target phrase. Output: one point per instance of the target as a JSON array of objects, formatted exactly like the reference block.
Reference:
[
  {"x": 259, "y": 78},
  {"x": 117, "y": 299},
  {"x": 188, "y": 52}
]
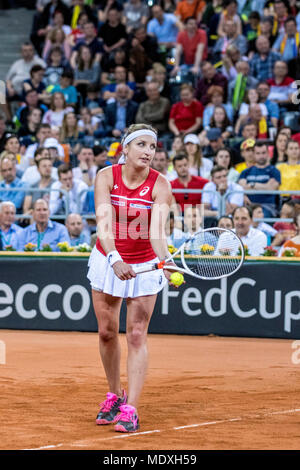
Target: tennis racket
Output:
[{"x": 211, "y": 253}]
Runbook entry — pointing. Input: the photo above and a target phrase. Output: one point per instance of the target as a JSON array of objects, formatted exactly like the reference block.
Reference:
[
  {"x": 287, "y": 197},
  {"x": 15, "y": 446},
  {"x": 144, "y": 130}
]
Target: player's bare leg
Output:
[
  {"x": 107, "y": 310},
  {"x": 139, "y": 311}
]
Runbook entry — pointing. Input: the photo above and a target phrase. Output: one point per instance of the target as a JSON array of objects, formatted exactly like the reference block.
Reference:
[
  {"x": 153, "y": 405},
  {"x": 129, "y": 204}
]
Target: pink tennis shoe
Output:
[
  {"x": 128, "y": 420},
  {"x": 110, "y": 408}
]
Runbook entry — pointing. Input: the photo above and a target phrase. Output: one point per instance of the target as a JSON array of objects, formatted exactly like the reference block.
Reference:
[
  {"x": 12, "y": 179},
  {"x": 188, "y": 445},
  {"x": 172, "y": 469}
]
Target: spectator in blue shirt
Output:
[
  {"x": 120, "y": 77},
  {"x": 77, "y": 234},
  {"x": 263, "y": 90},
  {"x": 164, "y": 26},
  {"x": 287, "y": 43},
  {"x": 43, "y": 231},
  {"x": 263, "y": 61},
  {"x": 10, "y": 182},
  {"x": 262, "y": 176},
  {"x": 66, "y": 87},
  {"x": 9, "y": 231}
]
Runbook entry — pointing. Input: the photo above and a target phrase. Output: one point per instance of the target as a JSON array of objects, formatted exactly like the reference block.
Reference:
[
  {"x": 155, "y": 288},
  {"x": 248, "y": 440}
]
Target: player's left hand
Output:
[{"x": 167, "y": 272}]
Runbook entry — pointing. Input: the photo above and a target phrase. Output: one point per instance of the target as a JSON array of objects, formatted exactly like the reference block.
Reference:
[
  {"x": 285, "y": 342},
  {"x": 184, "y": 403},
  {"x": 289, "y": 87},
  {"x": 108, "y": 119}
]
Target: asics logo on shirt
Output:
[{"x": 144, "y": 191}]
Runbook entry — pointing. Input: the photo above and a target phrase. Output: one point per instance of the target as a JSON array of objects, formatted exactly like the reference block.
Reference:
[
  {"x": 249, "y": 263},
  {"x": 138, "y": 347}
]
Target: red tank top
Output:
[{"x": 132, "y": 217}]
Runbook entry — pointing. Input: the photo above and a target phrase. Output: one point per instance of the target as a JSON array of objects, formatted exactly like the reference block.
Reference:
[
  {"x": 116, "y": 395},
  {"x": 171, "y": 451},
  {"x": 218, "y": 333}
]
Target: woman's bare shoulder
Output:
[
  {"x": 162, "y": 189},
  {"x": 105, "y": 174},
  {"x": 104, "y": 180}
]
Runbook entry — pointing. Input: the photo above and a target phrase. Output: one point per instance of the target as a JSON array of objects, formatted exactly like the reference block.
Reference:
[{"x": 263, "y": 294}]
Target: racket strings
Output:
[{"x": 213, "y": 253}]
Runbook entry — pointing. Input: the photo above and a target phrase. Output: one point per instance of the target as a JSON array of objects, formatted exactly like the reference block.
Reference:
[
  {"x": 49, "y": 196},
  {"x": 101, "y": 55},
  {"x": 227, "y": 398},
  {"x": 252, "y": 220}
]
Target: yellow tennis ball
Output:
[{"x": 177, "y": 279}]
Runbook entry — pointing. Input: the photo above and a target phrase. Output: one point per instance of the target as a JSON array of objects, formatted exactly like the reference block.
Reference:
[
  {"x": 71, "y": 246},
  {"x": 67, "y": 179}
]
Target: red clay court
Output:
[{"x": 202, "y": 392}]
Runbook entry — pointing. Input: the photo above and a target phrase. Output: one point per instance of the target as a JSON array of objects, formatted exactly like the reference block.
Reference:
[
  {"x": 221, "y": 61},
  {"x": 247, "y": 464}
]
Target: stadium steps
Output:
[{"x": 15, "y": 28}]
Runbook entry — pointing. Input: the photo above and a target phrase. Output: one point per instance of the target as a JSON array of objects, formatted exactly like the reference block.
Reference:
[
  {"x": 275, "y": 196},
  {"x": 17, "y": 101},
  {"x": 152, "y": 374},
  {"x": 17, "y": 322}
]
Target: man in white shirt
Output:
[
  {"x": 20, "y": 71},
  {"x": 17, "y": 73},
  {"x": 44, "y": 139},
  {"x": 31, "y": 175},
  {"x": 160, "y": 163},
  {"x": 220, "y": 184},
  {"x": 76, "y": 190},
  {"x": 86, "y": 169},
  {"x": 254, "y": 239}
]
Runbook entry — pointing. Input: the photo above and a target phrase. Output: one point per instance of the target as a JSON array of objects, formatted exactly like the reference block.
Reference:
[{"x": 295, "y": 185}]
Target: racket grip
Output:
[{"x": 145, "y": 269}]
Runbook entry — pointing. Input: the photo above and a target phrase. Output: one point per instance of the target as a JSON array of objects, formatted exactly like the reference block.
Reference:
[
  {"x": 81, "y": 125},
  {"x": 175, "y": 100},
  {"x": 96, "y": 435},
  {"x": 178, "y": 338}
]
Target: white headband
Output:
[
  {"x": 133, "y": 136},
  {"x": 136, "y": 134}
]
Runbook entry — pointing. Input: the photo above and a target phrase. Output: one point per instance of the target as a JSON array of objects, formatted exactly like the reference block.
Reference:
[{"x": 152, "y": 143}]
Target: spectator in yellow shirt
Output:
[
  {"x": 290, "y": 170},
  {"x": 247, "y": 153}
]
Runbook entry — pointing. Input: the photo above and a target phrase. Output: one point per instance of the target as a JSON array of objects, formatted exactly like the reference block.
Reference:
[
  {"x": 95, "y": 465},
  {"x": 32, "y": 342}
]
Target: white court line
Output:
[
  {"x": 47, "y": 447},
  {"x": 197, "y": 425},
  {"x": 119, "y": 436},
  {"x": 296, "y": 410},
  {"x": 176, "y": 428}
]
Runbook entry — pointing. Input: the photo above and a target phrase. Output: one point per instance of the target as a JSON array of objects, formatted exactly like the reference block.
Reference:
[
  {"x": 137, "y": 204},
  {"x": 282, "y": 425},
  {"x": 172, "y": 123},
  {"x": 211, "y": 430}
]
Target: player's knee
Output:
[
  {"x": 107, "y": 332},
  {"x": 137, "y": 336}
]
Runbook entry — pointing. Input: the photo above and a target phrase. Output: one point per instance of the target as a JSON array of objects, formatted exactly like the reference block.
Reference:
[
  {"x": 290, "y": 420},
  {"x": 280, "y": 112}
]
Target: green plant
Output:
[
  {"x": 83, "y": 248},
  {"x": 269, "y": 251},
  {"x": 10, "y": 248},
  {"x": 46, "y": 247},
  {"x": 30, "y": 247}
]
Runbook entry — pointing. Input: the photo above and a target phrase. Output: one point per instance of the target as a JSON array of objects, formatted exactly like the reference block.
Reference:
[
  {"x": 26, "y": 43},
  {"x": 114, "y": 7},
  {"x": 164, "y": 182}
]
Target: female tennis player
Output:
[{"x": 132, "y": 204}]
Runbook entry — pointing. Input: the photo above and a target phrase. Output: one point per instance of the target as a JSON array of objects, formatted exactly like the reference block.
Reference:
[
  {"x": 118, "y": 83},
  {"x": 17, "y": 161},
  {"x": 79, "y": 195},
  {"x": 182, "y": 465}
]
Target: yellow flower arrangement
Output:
[
  {"x": 65, "y": 247},
  {"x": 246, "y": 251},
  {"x": 171, "y": 249},
  {"x": 207, "y": 249},
  {"x": 30, "y": 247}
]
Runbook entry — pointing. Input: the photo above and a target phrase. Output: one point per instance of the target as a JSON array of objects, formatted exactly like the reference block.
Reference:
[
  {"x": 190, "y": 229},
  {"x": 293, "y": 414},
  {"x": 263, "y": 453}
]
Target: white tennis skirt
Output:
[{"x": 102, "y": 278}]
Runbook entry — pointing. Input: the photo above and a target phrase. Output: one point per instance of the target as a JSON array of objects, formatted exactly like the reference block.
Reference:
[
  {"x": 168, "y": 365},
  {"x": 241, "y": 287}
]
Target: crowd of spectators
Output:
[{"x": 219, "y": 80}]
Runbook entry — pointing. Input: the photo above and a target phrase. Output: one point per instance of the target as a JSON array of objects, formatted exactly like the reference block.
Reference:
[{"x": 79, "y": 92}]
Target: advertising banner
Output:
[{"x": 261, "y": 300}]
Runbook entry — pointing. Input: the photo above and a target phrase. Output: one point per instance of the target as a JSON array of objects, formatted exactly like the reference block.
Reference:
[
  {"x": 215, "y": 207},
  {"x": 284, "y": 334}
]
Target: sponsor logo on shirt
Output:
[
  {"x": 144, "y": 191},
  {"x": 139, "y": 206},
  {"x": 118, "y": 203}
]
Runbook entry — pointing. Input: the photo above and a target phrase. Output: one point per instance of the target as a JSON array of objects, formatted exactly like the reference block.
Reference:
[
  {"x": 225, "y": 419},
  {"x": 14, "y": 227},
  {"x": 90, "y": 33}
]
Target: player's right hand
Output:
[{"x": 123, "y": 271}]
